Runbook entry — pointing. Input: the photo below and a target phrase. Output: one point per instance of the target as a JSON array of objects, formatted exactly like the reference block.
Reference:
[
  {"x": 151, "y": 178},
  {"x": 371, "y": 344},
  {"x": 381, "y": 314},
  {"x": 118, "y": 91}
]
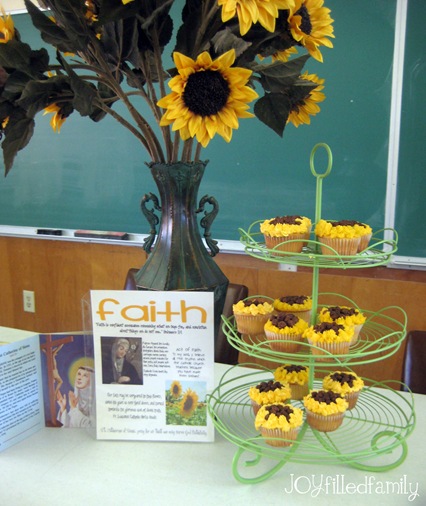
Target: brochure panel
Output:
[
  {"x": 21, "y": 405},
  {"x": 154, "y": 357}
]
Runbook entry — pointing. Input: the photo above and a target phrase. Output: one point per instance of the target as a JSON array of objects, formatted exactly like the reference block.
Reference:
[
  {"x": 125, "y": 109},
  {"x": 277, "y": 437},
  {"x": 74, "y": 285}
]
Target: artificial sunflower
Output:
[
  {"x": 250, "y": 12},
  {"x": 208, "y": 96},
  {"x": 310, "y": 25},
  {"x": 7, "y": 28},
  {"x": 58, "y": 118},
  {"x": 303, "y": 109},
  {"x": 176, "y": 389},
  {"x": 189, "y": 403}
]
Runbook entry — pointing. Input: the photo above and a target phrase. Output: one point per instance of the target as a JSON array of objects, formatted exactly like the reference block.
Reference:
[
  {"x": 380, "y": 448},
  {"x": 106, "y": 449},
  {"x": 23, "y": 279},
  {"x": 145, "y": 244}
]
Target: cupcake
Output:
[
  {"x": 296, "y": 376},
  {"x": 284, "y": 332},
  {"x": 286, "y": 233},
  {"x": 279, "y": 423},
  {"x": 324, "y": 410},
  {"x": 251, "y": 315},
  {"x": 329, "y": 338},
  {"x": 268, "y": 392},
  {"x": 300, "y": 305},
  {"x": 347, "y": 384},
  {"x": 344, "y": 315},
  {"x": 339, "y": 237}
]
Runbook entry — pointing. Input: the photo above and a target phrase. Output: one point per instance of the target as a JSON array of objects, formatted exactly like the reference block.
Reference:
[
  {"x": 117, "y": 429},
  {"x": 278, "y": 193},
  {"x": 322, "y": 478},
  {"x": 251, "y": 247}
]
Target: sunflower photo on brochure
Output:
[{"x": 173, "y": 73}]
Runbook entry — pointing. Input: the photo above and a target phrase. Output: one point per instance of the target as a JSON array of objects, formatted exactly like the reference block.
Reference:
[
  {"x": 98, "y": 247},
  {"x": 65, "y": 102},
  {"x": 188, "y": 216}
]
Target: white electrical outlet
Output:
[
  {"x": 29, "y": 301},
  {"x": 287, "y": 267}
]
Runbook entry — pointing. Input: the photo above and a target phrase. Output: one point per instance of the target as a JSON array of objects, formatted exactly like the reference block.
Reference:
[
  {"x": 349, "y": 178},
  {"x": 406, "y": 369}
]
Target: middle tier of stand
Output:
[{"x": 381, "y": 336}]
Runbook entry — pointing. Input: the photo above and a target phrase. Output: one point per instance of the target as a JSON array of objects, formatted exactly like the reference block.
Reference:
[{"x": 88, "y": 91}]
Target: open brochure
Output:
[{"x": 142, "y": 374}]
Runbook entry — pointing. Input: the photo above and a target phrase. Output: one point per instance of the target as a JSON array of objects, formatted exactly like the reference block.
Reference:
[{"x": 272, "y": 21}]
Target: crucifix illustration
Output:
[{"x": 51, "y": 348}]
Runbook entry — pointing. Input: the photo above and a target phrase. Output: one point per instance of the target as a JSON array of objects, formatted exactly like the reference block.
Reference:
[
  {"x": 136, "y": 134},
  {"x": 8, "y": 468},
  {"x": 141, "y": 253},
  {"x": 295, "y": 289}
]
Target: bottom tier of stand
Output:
[{"x": 372, "y": 436}]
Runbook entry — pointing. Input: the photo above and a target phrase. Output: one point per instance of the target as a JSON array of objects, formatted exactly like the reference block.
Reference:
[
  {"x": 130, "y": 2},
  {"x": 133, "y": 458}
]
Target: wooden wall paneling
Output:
[{"x": 61, "y": 272}]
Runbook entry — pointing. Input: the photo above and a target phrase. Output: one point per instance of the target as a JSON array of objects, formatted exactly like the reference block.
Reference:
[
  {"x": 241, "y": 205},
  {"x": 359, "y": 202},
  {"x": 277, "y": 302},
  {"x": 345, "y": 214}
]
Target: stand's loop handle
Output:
[
  {"x": 207, "y": 221},
  {"x": 329, "y": 156},
  {"x": 152, "y": 218}
]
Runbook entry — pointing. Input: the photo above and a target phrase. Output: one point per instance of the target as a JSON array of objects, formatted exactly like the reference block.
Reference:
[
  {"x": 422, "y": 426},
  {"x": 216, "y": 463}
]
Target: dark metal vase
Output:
[{"x": 179, "y": 259}]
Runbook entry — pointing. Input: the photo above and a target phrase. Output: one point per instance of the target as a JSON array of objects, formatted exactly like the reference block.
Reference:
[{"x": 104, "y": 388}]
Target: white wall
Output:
[{"x": 12, "y": 5}]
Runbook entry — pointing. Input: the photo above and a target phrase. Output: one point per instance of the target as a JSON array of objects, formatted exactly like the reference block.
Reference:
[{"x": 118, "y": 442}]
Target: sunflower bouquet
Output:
[{"x": 226, "y": 54}]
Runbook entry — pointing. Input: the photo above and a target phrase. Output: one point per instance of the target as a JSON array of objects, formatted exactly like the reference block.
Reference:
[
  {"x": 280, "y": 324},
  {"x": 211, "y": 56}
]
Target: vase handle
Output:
[
  {"x": 152, "y": 218},
  {"x": 207, "y": 221}
]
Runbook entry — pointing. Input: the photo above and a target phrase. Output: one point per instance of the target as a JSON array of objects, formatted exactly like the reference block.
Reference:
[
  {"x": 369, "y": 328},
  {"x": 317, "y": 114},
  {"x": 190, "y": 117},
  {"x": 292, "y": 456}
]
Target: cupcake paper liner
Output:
[
  {"x": 283, "y": 342},
  {"x": 352, "y": 398},
  {"x": 251, "y": 324},
  {"x": 364, "y": 242},
  {"x": 283, "y": 244},
  {"x": 357, "y": 330},
  {"x": 334, "y": 348},
  {"x": 345, "y": 247},
  {"x": 278, "y": 437},
  {"x": 298, "y": 391},
  {"x": 323, "y": 423}
]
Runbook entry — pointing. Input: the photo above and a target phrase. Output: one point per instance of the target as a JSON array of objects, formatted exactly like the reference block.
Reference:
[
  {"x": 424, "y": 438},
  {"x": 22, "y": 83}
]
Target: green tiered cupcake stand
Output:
[{"x": 373, "y": 434}]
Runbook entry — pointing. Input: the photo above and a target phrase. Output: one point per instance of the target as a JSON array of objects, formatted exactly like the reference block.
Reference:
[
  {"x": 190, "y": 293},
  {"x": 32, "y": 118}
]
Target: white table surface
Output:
[{"x": 68, "y": 467}]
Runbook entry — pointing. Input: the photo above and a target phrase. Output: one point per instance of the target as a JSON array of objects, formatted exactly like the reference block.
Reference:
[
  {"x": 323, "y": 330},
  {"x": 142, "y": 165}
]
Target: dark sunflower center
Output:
[
  {"x": 206, "y": 93},
  {"x": 306, "y": 25},
  {"x": 189, "y": 403}
]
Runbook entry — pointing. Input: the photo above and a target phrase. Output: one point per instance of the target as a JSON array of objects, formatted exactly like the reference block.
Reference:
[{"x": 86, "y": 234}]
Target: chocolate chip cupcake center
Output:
[
  {"x": 336, "y": 312},
  {"x": 343, "y": 377},
  {"x": 294, "y": 299},
  {"x": 286, "y": 220},
  {"x": 256, "y": 302},
  {"x": 324, "y": 326},
  {"x": 349, "y": 223},
  {"x": 268, "y": 386},
  {"x": 283, "y": 320},
  {"x": 278, "y": 410},
  {"x": 294, "y": 368},
  {"x": 325, "y": 396}
]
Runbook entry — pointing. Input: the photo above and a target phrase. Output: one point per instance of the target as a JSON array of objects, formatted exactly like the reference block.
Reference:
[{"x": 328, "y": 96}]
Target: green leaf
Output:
[
  {"x": 279, "y": 69},
  {"x": 85, "y": 93},
  {"x": 224, "y": 40},
  {"x": 15, "y": 55},
  {"x": 71, "y": 12},
  {"x": 37, "y": 95},
  {"x": 18, "y": 133},
  {"x": 15, "y": 85},
  {"x": 273, "y": 110},
  {"x": 111, "y": 10},
  {"x": 50, "y": 31}
]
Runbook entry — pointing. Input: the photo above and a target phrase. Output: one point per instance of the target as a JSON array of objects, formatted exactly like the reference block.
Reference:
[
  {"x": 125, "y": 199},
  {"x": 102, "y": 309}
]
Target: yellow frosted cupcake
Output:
[
  {"x": 251, "y": 315},
  {"x": 329, "y": 338},
  {"x": 339, "y": 237},
  {"x": 268, "y": 392},
  {"x": 296, "y": 376},
  {"x": 344, "y": 315},
  {"x": 347, "y": 384},
  {"x": 284, "y": 332},
  {"x": 286, "y": 233},
  {"x": 300, "y": 305},
  {"x": 324, "y": 410},
  {"x": 279, "y": 423}
]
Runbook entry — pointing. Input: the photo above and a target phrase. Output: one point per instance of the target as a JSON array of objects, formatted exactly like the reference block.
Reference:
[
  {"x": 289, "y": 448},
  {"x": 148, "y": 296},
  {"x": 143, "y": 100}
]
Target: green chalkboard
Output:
[
  {"x": 93, "y": 175},
  {"x": 410, "y": 211}
]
